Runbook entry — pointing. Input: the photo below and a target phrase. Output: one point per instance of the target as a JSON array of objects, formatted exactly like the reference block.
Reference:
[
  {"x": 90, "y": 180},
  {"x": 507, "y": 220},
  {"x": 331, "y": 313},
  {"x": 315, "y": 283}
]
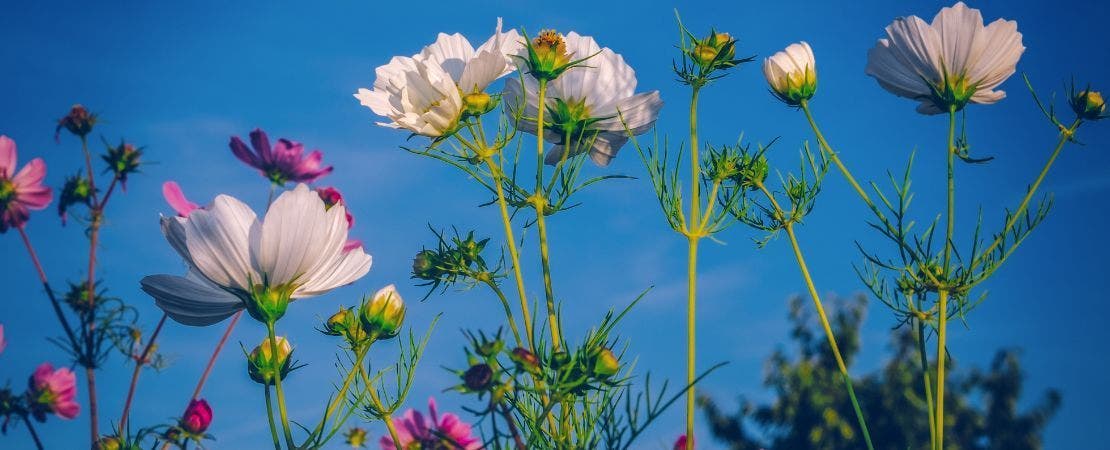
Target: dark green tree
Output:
[{"x": 811, "y": 409}]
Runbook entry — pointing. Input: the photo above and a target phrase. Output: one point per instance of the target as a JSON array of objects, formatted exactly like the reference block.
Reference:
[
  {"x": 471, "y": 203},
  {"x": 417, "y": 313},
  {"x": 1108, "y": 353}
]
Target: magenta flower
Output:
[
  {"x": 20, "y": 191},
  {"x": 3, "y": 343},
  {"x": 680, "y": 443},
  {"x": 197, "y": 418},
  {"x": 54, "y": 391},
  {"x": 172, "y": 192},
  {"x": 331, "y": 197},
  {"x": 283, "y": 163},
  {"x": 441, "y": 432}
]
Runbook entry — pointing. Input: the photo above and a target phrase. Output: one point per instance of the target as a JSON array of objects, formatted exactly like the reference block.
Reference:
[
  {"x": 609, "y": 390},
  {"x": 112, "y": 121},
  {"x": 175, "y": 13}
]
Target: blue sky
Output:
[{"x": 181, "y": 78}]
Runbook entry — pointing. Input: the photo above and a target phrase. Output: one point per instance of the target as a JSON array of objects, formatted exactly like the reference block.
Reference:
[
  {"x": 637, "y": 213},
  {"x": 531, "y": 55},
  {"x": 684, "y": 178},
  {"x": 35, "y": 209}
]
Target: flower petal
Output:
[
  {"x": 8, "y": 157},
  {"x": 191, "y": 300},
  {"x": 218, "y": 241},
  {"x": 299, "y": 237}
]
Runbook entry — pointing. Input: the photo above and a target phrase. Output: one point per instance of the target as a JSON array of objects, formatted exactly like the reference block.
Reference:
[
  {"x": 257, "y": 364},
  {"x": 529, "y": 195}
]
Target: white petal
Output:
[
  {"x": 639, "y": 113},
  {"x": 217, "y": 239},
  {"x": 451, "y": 52},
  {"x": 959, "y": 28},
  {"x": 344, "y": 269},
  {"x": 189, "y": 300},
  {"x": 298, "y": 236}
]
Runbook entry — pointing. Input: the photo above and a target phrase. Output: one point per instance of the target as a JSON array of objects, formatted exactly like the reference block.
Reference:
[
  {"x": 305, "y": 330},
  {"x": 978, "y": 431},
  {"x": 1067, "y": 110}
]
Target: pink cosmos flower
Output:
[
  {"x": 54, "y": 391},
  {"x": 283, "y": 163},
  {"x": 331, "y": 197},
  {"x": 197, "y": 418},
  {"x": 20, "y": 191},
  {"x": 441, "y": 432},
  {"x": 680, "y": 443},
  {"x": 176, "y": 198},
  {"x": 3, "y": 343}
]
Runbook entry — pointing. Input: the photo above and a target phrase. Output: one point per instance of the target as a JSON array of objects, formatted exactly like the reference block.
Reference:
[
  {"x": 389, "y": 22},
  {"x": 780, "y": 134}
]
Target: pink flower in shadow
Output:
[
  {"x": 54, "y": 391},
  {"x": 20, "y": 191},
  {"x": 331, "y": 197},
  {"x": 432, "y": 433},
  {"x": 284, "y": 162}
]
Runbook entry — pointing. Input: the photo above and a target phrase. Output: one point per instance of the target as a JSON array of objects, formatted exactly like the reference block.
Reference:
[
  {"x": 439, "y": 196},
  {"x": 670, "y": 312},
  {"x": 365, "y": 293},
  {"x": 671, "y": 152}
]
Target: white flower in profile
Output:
[
  {"x": 429, "y": 92},
  {"x": 588, "y": 107},
  {"x": 949, "y": 63},
  {"x": 792, "y": 73},
  {"x": 236, "y": 261}
]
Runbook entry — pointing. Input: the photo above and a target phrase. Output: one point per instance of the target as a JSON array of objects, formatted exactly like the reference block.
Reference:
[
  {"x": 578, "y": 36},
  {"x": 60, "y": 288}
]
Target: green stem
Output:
[
  {"x": 508, "y": 310},
  {"x": 1065, "y": 135},
  {"x": 360, "y": 354},
  {"x": 694, "y": 234},
  {"x": 942, "y": 337},
  {"x": 270, "y": 417},
  {"x": 539, "y": 202},
  {"x": 277, "y": 387},
  {"x": 951, "y": 219},
  {"x": 387, "y": 416},
  {"x": 514, "y": 254},
  {"x": 924, "y": 356}
]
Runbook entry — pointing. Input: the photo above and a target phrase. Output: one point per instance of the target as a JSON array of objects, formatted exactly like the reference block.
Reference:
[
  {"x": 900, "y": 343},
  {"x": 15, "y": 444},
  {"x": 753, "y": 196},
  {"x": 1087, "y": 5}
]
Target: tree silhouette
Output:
[{"x": 812, "y": 410}]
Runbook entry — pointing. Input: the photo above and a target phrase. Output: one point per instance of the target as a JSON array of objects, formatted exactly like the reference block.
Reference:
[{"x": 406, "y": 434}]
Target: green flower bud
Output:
[
  {"x": 108, "y": 443},
  {"x": 356, "y": 437},
  {"x": 264, "y": 366},
  {"x": 1088, "y": 105},
  {"x": 753, "y": 171},
  {"x": 267, "y": 304},
  {"x": 383, "y": 314},
  {"x": 490, "y": 348},
  {"x": 76, "y": 191},
  {"x": 715, "y": 49},
  {"x": 477, "y": 103},
  {"x": 606, "y": 364},
  {"x": 424, "y": 265},
  {"x": 559, "y": 360},
  {"x": 547, "y": 55},
  {"x": 123, "y": 160},
  {"x": 79, "y": 121}
]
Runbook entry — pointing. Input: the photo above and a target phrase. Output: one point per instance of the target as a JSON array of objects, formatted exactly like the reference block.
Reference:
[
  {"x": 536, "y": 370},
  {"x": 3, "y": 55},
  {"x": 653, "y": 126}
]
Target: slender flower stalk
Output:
[
  {"x": 282, "y": 411},
  {"x": 49, "y": 291},
  {"x": 829, "y": 335},
  {"x": 540, "y": 203},
  {"x": 693, "y": 235},
  {"x": 514, "y": 253},
  {"x": 215, "y": 354},
  {"x": 140, "y": 361},
  {"x": 34, "y": 434}
]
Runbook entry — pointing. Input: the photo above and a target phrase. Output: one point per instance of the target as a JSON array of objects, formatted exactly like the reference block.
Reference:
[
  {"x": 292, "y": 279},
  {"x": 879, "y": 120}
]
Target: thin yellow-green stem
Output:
[
  {"x": 691, "y": 336},
  {"x": 508, "y": 309},
  {"x": 270, "y": 418},
  {"x": 360, "y": 354},
  {"x": 951, "y": 216},
  {"x": 695, "y": 232},
  {"x": 277, "y": 387},
  {"x": 387, "y": 416},
  {"x": 819, "y": 306},
  {"x": 927, "y": 381},
  {"x": 1065, "y": 135},
  {"x": 539, "y": 203},
  {"x": 514, "y": 254},
  {"x": 942, "y": 336}
]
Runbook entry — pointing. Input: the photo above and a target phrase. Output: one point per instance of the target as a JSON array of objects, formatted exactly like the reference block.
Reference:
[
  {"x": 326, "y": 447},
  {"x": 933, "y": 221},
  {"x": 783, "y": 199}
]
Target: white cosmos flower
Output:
[
  {"x": 953, "y": 61},
  {"x": 233, "y": 258},
  {"x": 428, "y": 92},
  {"x": 589, "y": 101},
  {"x": 792, "y": 73}
]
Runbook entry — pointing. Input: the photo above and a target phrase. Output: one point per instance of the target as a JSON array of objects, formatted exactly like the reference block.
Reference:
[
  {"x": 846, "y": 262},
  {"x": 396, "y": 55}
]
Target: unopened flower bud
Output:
[
  {"x": 1089, "y": 105},
  {"x": 123, "y": 160},
  {"x": 490, "y": 348},
  {"x": 76, "y": 191},
  {"x": 715, "y": 50},
  {"x": 356, "y": 437},
  {"x": 383, "y": 314},
  {"x": 107, "y": 443},
  {"x": 792, "y": 73},
  {"x": 79, "y": 121},
  {"x": 478, "y": 377},
  {"x": 753, "y": 171},
  {"x": 197, "y": 418},
  {"x": 424, "y": 265},
  {"x": 606, "y": 364},
  {"x": 265, "y": 366},
  {"x": 336, "y": 325},
  {"x": 267, "y": 304},
  {"x": 525, "y": 360},
  {"x": 560, "y": 359},
  {"x": 477, "y": 103}
]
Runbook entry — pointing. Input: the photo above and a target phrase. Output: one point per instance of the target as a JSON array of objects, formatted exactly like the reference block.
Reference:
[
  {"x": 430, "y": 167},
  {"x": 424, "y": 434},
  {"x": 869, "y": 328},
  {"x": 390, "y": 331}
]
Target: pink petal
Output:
[
  {"x": 351, "y": 245},
  {"x": 28, "y": 185},
  {"x": 172, "y": 192},
  {"x": 7, "y": 156}
]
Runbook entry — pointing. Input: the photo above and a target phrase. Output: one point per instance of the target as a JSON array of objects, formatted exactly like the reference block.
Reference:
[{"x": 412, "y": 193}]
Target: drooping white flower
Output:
[
  {"x": 953, "y": 61},
  {"x": 236, "y": 261},
  {"x": 792, "y": 73},
  {"x": 428, "y": 92},
  {"x": 586, "y": 104}
]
